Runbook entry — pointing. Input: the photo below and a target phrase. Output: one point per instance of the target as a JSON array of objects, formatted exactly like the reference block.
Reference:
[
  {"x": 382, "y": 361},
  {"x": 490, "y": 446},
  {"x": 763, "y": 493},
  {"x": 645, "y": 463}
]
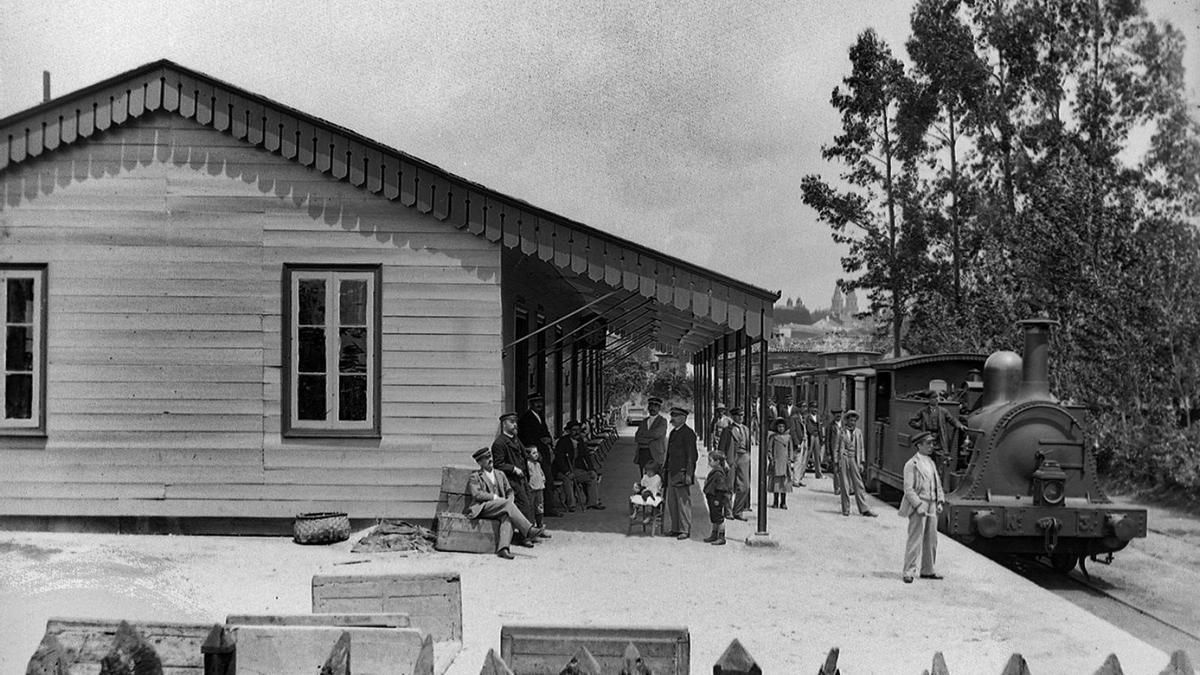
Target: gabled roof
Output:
[{"x": 701, "y": 304}]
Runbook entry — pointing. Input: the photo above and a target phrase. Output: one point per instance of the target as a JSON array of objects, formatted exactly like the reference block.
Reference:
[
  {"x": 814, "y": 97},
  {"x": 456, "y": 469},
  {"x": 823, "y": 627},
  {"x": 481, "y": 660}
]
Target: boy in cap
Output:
[
  {"x": 923, "y": 501},
  {"x": 492, "y": 498},
  {"x": 848, "y": 453}
]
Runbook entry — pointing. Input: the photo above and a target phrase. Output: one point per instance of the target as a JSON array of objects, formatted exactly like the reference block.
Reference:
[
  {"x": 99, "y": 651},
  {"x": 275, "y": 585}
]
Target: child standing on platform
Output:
[
  {"x": 537, "y": 484},
  {"x": 716, "y": 492},
  {"x": 780, "y": 455}
]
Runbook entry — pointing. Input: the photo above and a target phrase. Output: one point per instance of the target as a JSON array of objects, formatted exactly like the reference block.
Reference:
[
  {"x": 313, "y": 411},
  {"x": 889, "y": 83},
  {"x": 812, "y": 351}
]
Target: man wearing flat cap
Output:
[
  {"x": 533, "y": 432},
  {"x": 944, "y": 427},
  {"x": 848, "y": 453},
  {"x": 509, "y": 456},
  {"x": 651, "y": 436},
  {"x": 720, "y": 421},
  {"x": 923, "y": 501},
  {"x": 679, "y": 474},
  {"x": 492, "y": 499},
  {"x": 574, "y": 467},
  {"x": 735, "y": 443}
]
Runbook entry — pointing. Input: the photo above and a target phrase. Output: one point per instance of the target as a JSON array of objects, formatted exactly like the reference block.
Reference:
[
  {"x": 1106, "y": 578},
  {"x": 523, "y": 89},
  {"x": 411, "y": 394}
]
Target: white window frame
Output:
[
  {"x": 332, "y": 275},
  {"x": 36, "y": 424}
]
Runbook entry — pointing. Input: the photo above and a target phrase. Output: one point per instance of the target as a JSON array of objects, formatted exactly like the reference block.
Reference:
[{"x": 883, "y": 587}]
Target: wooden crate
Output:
[
  {"x": 454, "y": 497},
  {"x": 530, "y": 650},
  {"x": 456, "y": 532},
  {"x": 432, "y": 601}
]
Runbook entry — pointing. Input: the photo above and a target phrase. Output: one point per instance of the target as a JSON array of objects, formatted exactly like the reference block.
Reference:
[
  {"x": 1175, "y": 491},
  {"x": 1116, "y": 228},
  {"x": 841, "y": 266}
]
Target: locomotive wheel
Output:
[{"x": 1063, "y": 560}]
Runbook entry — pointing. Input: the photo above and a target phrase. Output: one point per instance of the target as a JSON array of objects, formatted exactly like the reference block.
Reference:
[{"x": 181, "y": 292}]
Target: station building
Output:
[{"x": 220, "y": 312}]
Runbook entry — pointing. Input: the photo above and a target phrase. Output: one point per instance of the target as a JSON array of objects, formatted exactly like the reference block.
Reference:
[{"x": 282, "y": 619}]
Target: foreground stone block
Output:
[
  {"x": 86, "y": 642},
  {"x": 275, "y": 650},
  {"x": 433, "y": 602},
  {"x": 545, "y": 649}
]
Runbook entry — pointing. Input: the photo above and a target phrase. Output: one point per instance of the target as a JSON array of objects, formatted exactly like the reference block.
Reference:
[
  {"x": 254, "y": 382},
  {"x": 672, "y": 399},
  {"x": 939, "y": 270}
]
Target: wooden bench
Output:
[
  {"x": 546, "y": 649},
  {"x": 455, "y": 530}
]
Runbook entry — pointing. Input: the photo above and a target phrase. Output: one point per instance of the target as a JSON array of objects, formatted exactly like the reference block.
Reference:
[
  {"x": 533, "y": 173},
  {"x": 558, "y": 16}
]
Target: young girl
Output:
[
  {"x": 716, "y": 493},
  {"x": 646, "y": 492},
  {"x": 780, "y": 455}
]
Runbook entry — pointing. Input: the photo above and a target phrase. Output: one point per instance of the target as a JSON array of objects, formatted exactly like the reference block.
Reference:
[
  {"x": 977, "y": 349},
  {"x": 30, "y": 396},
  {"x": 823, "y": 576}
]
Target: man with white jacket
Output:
[{"x": 923, "y": 501}]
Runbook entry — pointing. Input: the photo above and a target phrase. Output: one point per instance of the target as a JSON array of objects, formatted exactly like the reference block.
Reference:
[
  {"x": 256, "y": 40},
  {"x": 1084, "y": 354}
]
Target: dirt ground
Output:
[{"x": 830, "y": 581}]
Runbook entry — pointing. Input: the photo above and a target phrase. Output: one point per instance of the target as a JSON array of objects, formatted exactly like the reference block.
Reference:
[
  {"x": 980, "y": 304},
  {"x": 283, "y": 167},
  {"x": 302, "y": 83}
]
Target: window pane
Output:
[
  {"x": 312, "y": 350},
  {"x": 353, "y": 303},
  {"x": 19, "y": 354},
  {"x": 312, "y": 302},
  {"x": 20, "y": 300},
  {"x": 311, "y": 397},
  {"x": 353, "y": 357},
  {"x": 352, "y": 398},
  {"x": 18, "y": 397}
]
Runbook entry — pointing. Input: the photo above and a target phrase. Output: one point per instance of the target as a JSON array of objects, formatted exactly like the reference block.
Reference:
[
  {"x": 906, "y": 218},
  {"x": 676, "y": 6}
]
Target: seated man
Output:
[
  {"x": 573, "y": 465},
  {"x": 492, "y": 498}
]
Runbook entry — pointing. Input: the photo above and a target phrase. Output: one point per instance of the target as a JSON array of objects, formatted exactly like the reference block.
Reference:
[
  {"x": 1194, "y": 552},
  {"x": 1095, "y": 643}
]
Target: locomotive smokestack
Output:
[{"x": 1035, "y": 363}]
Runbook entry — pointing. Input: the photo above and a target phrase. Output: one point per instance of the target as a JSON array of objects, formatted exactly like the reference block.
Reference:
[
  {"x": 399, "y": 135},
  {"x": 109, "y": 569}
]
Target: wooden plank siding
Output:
[{"x": 165, "y": 242}]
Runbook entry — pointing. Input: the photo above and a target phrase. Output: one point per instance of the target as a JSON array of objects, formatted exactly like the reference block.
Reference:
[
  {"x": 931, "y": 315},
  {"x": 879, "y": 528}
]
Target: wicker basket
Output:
[{"x": 321, "y": 528}]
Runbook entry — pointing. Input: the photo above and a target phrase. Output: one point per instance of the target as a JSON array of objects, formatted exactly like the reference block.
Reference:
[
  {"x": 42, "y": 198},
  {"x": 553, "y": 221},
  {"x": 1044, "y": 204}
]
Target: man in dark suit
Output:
[
  {"x": 509, "y": 456},
  {"x": 679, "y": 474},
  {"x": 735, "y": 444},
  {"x": 492, "y": 499},
  {"x": 532, "y": 431},
  {"x": 573, "y": 466},
  {"x": 946, "y": 429}
]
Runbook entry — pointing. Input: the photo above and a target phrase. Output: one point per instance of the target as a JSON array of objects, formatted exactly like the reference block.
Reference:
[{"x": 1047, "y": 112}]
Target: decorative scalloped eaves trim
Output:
[{"x": 369, "y": 165}]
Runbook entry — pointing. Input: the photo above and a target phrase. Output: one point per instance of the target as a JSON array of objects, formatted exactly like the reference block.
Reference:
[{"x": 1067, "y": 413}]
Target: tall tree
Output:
[{"x": 865, "y": 216}]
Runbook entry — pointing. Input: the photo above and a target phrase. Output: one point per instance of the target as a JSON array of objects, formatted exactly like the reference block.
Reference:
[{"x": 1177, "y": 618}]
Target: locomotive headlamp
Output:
[{"x": 1049, "y": 483}]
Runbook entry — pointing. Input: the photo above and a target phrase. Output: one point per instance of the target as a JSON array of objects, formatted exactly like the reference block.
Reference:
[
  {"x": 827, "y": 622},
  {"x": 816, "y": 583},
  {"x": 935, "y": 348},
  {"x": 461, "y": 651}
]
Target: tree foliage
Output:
[{"x": 1033, "y": 157}]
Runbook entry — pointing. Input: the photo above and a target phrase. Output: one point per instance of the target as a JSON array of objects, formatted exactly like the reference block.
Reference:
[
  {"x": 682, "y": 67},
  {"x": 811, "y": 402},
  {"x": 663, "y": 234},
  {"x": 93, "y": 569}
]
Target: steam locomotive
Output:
[{"x": 1025, "y": 480}]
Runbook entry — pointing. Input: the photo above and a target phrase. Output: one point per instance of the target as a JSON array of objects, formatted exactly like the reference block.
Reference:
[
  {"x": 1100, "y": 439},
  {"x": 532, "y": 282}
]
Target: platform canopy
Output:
[{"x": 683, "y": 307}]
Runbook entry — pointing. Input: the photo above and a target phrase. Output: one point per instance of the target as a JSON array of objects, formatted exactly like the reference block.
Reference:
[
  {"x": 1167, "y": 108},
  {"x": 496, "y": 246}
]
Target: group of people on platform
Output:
[
  {"x": 516, "y": 477},
  {"x": 512, "y": 480}
]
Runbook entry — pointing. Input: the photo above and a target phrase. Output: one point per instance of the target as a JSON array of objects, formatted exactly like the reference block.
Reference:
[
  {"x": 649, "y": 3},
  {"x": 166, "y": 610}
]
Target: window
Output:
[
  {"x": 331, "y": 326},
  {"x": 23, "y": 351}
]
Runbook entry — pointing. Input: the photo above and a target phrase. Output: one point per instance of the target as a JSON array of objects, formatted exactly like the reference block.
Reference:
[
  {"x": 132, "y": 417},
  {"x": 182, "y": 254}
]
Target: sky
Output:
[{"x": 685, "y": 126}]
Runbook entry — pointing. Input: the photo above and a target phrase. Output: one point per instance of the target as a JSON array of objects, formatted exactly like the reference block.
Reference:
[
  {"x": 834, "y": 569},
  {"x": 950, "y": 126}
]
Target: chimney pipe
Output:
[
  {"x": 45, "y": 86},
  {"x": 1035, "y": 362}
]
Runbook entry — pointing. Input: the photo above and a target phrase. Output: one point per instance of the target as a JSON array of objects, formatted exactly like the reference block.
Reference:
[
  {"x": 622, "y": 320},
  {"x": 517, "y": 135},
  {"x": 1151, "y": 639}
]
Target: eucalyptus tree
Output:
[{"x": 863, "y": 210}]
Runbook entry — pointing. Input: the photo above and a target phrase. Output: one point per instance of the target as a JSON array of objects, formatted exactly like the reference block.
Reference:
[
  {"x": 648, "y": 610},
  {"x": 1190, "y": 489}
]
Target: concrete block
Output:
[{"x": 272, "y": 650}]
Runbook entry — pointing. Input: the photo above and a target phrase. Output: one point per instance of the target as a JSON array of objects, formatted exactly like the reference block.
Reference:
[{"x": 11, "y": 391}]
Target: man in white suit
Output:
[{"x": 923, "y": 501}]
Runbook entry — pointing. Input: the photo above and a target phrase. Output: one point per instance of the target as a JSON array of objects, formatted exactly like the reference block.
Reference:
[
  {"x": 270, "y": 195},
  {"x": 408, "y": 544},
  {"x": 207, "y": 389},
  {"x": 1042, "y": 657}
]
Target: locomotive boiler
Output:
[{"x": 1030, "y": 486}]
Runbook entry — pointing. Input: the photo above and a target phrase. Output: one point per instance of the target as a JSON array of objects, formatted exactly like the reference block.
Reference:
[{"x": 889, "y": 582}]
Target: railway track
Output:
[{"x": 1150, "y": 591}]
